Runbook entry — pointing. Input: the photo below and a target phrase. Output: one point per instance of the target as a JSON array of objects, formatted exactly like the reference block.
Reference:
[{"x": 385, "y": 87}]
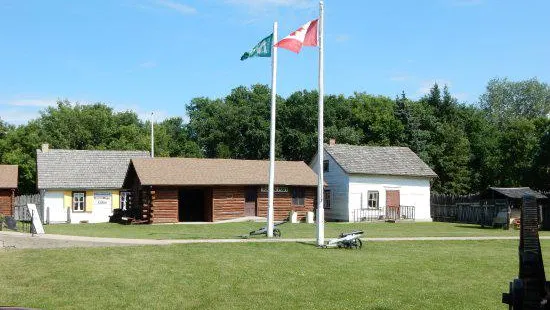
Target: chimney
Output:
[
  {"x": 332, "y": 141},
  {"x": 45, "y": 147}
]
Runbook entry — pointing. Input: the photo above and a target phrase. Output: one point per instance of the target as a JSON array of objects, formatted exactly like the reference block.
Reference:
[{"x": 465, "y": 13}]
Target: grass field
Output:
[
  {"x": 382, "y": 275},
  {"x": 233, "y": 230}
]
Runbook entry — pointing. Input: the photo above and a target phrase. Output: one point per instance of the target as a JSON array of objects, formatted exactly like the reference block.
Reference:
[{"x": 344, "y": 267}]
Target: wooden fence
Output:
[
  {"x": 467, "y": 209},
  {"x": 21, "y": 202}
]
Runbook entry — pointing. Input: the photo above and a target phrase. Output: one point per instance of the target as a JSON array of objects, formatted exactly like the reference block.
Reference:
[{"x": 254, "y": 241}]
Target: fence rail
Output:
[{"x": 388, "y": 213}]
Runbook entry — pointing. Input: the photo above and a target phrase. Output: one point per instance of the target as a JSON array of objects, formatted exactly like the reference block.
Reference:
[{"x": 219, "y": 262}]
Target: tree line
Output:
[{"x": 502, "y": 140}]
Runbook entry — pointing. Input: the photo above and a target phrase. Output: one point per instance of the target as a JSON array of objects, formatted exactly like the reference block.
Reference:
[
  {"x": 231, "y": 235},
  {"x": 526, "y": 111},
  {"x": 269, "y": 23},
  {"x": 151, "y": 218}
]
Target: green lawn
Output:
[
  {"x": 233, "y": 230},
  {"x": 382, "y": 275}
]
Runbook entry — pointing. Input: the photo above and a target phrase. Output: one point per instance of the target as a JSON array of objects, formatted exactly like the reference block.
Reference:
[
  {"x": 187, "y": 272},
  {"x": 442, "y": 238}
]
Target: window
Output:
[
  {"x": 326, "y": 199},
  {"x": 124, "y": 200},
  {"x": 79, "y": 201},
  {"x": 373, "y": 200},
  {"x": 325, "y": 166},
  {"x": 298, "y": 196}
]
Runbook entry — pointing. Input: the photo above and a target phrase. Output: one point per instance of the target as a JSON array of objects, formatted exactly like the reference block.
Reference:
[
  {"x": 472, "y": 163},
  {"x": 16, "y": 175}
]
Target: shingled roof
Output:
[
  {"x": 517, "y": 192},
  {"x": 379, "y": 160},
  {"x": 80, "y": 169},
  {"x": 209, "y": 171},
  {"x": 8, "y": 176}
]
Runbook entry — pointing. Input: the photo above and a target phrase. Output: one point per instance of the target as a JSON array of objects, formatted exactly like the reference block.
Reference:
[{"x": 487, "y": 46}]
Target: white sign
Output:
[
  {"x": 276, "y": 189},
  {"x": 102, "y": 198},
  {"x": 35, "y": 218}
]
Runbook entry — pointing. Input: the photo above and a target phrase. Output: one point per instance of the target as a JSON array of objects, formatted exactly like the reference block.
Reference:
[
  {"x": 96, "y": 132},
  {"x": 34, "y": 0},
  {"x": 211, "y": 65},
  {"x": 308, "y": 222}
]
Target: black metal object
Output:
[{"x": 530, "y": 290}]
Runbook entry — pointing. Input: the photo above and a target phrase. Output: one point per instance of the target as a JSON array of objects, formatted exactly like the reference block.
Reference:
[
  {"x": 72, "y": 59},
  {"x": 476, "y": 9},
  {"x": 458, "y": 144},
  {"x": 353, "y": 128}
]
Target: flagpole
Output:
[
  {"x": 320, "y": 134},
  {"x": 270, "y": 211},
  {"x": 152, "y": 137}
]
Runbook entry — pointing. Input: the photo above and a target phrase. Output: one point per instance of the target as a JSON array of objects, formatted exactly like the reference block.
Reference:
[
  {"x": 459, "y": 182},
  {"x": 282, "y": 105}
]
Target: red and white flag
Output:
[{"x": 304, "y": 36}]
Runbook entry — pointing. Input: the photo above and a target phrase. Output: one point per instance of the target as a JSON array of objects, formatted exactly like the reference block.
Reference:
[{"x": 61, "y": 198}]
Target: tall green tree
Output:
[{"x": 504, "y": 99}]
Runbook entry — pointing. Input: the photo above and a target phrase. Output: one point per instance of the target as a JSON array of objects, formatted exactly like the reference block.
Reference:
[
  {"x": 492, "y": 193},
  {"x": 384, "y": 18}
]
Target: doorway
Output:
[
  {"x": 251, "y": 196},
  {"x": 191, "y": 205},
  {"x": 392, "y": 204}
]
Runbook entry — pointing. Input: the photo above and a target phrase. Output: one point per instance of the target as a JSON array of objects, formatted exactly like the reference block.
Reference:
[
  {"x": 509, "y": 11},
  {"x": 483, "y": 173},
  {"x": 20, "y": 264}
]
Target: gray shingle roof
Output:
[
  {"x": 517, "y": 192},
  {"x": 80, "y": 169},
  {"x": 379, "y": 160}
]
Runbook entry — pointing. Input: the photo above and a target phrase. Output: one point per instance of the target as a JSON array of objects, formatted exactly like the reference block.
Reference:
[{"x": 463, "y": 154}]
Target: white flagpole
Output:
[
  {"x": 152, "y": 137},
  {"x": 320, "y": 147},
  {"x": 270, "y": 211}
]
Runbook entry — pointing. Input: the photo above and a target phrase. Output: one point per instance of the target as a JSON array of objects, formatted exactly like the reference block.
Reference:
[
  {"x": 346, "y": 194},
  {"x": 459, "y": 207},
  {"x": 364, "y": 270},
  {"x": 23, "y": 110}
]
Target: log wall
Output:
[
  {"x": 228, "y": 202},
  {"x": 282, "y": 204},
  {"x": 6, "y": 202},
  {"x": 164, "y": 207}
]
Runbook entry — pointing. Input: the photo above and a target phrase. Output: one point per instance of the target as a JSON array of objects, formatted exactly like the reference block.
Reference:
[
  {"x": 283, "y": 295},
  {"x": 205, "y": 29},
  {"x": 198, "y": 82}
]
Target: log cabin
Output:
[
  {"x": 8, "y": 187},
  {"x": 171, "y": 190}
]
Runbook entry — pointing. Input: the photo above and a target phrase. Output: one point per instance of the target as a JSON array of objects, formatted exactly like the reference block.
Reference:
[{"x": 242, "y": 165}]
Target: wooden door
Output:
[
  {"x": 251, "y": 196},
  {"x": 392, "y": 204}
]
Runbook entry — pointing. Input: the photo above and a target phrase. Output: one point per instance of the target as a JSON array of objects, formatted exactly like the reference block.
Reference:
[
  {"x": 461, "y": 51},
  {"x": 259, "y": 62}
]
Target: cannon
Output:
[
  {"x": 263, "y": 231},
  {"x": 349, "y": 240},
  {"x": 530, "y": 290}
]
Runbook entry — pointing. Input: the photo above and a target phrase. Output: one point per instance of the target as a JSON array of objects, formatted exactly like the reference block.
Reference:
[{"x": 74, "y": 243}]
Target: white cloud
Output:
[
  {"x": 461, "y": 96},
  {"x": 426, "y": 85},
  {"x": 32, "y": 102},
  {"x": 399, "y": 78},
  {"x": 342, "y": 38},
  {"x": 264, "y": 3},
  {"x": 148, "y": 64},
  {"x": 176, "y": 6},
  {"x": 18, "y": 116}
]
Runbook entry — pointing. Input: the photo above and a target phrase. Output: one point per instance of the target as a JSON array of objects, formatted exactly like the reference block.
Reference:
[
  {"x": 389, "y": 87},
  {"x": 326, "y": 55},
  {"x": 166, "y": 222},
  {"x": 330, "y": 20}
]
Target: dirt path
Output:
[{"x": 15, "y": 240}]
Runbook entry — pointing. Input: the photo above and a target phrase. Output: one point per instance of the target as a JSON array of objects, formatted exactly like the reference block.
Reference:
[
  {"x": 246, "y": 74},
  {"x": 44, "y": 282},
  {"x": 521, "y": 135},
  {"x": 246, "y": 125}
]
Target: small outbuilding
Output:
[
  {"x": 511, "y": 200},
  {"x": 512, "y": 195},
  {"x": 170, "y": 190},
  {"x": 8, "y": 188},
  {"x": 367, "y": 183}
]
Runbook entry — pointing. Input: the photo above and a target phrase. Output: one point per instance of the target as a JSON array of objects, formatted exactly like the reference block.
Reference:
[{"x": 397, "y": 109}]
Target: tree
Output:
[
  {"x": 504, "y": 100},
  {"x": 234, "y": 127},
  {"x": 375, "y": 116},
  {"x": 517, "y": 148}
]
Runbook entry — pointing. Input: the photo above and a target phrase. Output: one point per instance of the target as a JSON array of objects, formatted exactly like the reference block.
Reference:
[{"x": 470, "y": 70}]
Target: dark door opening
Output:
[
  {"x": 251, "y": 195},
  {"x": 191, "y": 205}
]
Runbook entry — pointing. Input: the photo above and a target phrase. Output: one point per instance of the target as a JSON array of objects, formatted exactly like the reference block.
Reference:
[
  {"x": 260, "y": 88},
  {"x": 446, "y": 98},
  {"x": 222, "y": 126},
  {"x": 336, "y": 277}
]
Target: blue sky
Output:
[{"x": 156, "y": 55}]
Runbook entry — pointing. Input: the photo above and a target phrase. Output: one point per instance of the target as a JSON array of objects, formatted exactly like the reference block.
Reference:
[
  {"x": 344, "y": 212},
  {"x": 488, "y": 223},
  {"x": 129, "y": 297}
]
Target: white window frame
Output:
[
  {"x": 79, "y": 202},
  {"x": 375, "y": 200},
  {"x": 123, "y": 203}
]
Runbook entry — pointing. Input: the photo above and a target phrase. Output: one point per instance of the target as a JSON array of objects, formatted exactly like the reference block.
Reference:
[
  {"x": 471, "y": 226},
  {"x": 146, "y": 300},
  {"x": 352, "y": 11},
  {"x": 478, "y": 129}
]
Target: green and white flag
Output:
[{"x": 262, "y": 49}]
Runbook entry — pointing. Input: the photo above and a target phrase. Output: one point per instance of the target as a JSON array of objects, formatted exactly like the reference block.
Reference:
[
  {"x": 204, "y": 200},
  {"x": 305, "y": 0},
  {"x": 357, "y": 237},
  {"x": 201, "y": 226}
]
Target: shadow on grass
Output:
[
  {"x": 310, "y": 243},
  {"x": 474, "y": 226}
]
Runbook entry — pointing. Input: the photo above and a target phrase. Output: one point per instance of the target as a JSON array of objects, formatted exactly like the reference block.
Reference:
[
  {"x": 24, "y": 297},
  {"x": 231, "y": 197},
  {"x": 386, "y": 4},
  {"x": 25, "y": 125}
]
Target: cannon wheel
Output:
[
  {"x": 357, "y": 243},
  {"x": 276, "y": 232}
]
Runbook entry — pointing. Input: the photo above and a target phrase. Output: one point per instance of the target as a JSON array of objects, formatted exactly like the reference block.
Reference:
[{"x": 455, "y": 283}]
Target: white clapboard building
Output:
[{"x": 365, "y": 183}]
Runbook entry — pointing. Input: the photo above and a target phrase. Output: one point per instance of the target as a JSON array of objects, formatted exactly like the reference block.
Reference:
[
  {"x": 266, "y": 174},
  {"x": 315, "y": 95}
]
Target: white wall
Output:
[
  {"x": 414, "y": 191},
  {"x": 54, "y": 209},
  {"x": 337, "y": 182},
  {"x": 58, "y": 206}
]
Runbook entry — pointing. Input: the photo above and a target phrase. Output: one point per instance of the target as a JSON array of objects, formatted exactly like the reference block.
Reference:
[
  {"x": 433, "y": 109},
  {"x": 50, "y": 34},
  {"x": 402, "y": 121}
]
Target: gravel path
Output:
[{"x": 16, "y": 240}]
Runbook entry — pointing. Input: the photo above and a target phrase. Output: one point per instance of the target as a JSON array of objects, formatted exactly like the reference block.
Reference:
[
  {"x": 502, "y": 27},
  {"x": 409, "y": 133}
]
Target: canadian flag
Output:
[{"x": 304, "y": 36}]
